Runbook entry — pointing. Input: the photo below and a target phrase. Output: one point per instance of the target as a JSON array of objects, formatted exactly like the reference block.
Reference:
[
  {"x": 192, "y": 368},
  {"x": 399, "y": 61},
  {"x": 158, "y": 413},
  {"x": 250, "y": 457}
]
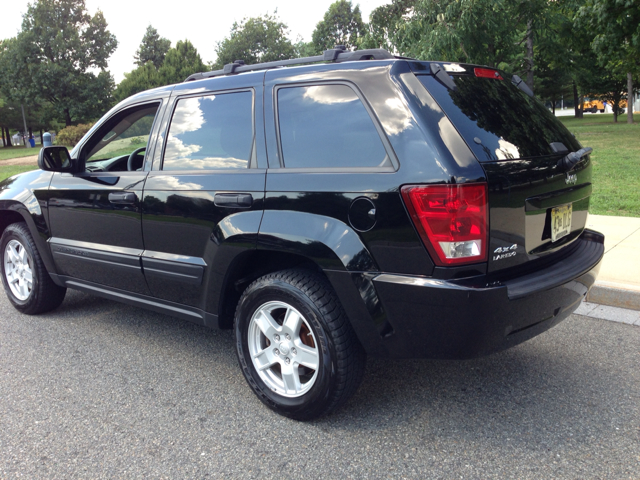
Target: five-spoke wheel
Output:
[
  {"x": 295, "y": 345},
  {"x": 283, "y": 349},
  {"x": 25, "y": 279},
  {"x": 17, "y": 269}
]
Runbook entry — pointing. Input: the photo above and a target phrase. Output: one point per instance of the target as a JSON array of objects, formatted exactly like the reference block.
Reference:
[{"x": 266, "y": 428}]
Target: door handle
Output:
[
  {"x": 233, "y": 200},
  {"x": 123, "y": 198}
]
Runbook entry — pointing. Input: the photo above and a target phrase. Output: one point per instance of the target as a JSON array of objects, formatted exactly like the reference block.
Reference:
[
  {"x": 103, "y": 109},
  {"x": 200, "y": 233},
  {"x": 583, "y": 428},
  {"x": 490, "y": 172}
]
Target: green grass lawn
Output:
[
  {"x": 616, "y": 162},
  {"x": 17, "y": 152},
  {"x": 7, "y": 171}
]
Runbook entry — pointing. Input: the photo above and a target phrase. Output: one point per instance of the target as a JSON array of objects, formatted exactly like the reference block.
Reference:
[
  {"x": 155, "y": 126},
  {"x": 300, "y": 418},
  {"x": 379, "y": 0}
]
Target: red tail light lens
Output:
[
  {"x": 451, "y": 219},
  {"x": 487, "y": 73}
]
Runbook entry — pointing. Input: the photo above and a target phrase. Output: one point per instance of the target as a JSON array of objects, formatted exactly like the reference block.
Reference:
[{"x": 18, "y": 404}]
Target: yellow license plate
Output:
[{"x": 560, "y": 221}]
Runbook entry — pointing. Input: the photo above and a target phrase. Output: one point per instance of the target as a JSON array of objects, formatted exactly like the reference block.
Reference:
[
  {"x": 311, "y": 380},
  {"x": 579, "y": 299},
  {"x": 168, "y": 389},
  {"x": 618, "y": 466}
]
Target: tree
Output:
[
  {"x": 341, "y": 25},
  {"x": 142, "y": 78},
  {"x": 255, "y": 40},
  {"x": 180, "y": 62},
  {"x": 385, "y": 23},
  {"x": 54, "y": 58},
  {"x": 152, "y": 49},
  {"x": 617, "y": 40}
]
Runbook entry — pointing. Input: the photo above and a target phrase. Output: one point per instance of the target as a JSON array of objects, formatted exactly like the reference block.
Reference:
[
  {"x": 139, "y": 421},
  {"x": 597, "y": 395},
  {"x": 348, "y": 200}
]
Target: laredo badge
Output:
[{"x": 501, "y": 253}]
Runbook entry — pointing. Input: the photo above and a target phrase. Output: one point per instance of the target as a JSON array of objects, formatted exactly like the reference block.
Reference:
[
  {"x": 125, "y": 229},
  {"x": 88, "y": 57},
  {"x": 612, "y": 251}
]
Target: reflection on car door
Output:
[
  {"x": 95, "y": 215},
  {"x": 207, "y": 186}
]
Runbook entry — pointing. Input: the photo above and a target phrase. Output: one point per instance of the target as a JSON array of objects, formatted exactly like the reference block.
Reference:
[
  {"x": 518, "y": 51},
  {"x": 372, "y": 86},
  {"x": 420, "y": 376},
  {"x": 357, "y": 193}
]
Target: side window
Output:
[
  {"x": 127, "y": 132},
  {"x": 211, "y": 132},
  {"x": 327, "y": 126}
]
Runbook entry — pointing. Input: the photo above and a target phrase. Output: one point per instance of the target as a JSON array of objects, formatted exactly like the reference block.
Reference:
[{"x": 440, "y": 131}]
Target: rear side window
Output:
[
  {"x": 327, "y": 126},
  {"x": 497, "y": 120},
  {"x": 211, "y": 132}
]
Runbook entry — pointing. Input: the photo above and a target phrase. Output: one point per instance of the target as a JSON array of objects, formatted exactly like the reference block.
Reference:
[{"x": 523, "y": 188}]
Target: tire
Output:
[
  {"x": 291, "y": 325},
  {"x": 24, "y": 276}
]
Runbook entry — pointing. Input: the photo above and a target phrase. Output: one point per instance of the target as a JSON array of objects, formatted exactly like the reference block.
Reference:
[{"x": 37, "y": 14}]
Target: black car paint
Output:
[{"x": 306, "y": 215}]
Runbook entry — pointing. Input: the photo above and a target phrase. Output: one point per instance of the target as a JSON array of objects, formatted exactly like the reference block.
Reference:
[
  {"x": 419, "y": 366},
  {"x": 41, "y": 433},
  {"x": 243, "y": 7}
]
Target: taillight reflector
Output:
[
  {"x": 451, "y": 219},
  {"x": 487, "y": 73}
]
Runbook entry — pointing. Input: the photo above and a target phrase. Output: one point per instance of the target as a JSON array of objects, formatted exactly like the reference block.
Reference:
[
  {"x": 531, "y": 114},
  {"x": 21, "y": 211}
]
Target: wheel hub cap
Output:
[
  {"x": 17, "y": 270},
  {"x": 284, "y": 348},
  {"x": 287, "y": 367}
]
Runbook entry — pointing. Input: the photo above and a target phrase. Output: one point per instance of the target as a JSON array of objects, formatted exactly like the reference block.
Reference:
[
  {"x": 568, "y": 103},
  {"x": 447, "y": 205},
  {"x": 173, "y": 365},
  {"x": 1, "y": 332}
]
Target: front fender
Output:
[{"x": 20, "y": 194}]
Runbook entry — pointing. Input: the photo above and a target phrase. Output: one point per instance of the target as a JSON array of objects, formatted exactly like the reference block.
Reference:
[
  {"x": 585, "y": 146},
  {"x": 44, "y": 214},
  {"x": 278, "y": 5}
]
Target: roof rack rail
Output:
[{"x": 336, "y": 55}]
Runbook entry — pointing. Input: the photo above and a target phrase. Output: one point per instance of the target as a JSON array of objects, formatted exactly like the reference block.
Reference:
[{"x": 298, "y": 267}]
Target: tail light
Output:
[{"x": 451, "y": 219}]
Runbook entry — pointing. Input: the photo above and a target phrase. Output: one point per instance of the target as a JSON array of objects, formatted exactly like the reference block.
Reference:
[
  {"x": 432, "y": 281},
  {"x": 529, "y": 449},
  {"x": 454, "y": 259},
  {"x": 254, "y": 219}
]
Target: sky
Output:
[{"x": 204, "y": 23}]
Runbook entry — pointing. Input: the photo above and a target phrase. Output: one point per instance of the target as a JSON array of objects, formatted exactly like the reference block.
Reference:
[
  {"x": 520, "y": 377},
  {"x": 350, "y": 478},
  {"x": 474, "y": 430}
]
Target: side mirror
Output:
[{"x": 55, "y": 159}]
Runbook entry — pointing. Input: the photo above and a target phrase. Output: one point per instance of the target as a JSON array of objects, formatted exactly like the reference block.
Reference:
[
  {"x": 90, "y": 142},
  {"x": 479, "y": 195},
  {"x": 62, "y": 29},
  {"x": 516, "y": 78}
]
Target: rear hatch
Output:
[{"x": 537, "y": 203}]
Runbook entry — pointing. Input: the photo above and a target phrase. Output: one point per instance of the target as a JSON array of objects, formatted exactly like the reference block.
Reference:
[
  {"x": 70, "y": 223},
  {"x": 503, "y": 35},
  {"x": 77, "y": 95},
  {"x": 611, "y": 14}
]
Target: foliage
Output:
[
  {"x": 255, "y": 40},
  {"x": 152, "y": 49},
  {"x": 180, "y": 62},
  {"x": 71, "y": 135},
  {"x": 617, "y": 26},
  {"x": 304, "y": 49},
  {"x": 54, "y": 58},
  {"x": 341, "y": 25},
  {"x": 142, "y": 78},
  {"x": 488, "y": 32},
  {"x": 385, "y": 23}
]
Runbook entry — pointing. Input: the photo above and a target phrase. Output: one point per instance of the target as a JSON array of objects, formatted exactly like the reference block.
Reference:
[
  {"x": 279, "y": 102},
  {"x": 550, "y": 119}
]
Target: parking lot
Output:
[{"x": 102, "y": 390}]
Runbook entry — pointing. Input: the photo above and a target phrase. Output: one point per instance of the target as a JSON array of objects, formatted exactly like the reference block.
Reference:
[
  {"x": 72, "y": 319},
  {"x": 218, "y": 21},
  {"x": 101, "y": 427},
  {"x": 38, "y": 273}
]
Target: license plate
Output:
[{"x": 560, "y": 221}]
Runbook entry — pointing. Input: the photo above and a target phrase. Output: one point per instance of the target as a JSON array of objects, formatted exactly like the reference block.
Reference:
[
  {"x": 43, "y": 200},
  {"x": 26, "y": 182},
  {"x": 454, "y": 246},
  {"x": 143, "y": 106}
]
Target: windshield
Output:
[{"x": 497, "y": 120}]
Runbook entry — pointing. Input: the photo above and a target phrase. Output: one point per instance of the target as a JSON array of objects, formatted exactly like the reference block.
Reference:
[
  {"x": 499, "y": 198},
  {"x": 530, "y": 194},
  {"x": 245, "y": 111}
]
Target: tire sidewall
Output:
[
  {"x": 12, "y": 233},
  {"x": 278, "y": 290}
]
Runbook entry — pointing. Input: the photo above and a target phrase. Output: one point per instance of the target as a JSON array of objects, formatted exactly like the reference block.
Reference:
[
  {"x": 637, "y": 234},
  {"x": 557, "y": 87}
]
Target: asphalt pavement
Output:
[{"x": 97, "y": 389}]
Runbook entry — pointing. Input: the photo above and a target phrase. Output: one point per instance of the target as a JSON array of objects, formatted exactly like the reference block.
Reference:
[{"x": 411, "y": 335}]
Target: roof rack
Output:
[{"x": 336, "y": 55}]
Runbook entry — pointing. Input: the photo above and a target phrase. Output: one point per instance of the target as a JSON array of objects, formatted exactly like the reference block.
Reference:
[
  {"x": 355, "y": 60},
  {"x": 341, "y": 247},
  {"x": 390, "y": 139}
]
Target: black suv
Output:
[{"x": 355, "y": 203}]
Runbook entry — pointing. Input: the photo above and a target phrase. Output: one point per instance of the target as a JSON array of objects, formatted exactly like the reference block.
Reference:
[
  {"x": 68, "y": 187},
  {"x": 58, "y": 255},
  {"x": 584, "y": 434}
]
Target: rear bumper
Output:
[{"x": 429, "y": 318}]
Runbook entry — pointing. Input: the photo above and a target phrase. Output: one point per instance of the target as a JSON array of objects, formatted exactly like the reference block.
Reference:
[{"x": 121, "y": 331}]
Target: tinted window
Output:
[
  {"x": 508, "y": 123},
  {"x": 211, "y": 132},
  {"x": 327, "y": 126}
]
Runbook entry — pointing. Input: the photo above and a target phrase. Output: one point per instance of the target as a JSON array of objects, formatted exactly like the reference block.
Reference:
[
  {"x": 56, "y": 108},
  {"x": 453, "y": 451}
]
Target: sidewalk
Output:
[{"x": 618, "y": 283}]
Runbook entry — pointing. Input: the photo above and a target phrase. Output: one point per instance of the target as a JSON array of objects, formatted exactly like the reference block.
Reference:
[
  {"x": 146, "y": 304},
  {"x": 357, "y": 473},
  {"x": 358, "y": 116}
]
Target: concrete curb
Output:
[{"x": 615, "y": 295}]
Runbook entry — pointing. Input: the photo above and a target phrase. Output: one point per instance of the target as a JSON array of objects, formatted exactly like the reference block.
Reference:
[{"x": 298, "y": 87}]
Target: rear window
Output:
[{"x": 497, "y": 120}]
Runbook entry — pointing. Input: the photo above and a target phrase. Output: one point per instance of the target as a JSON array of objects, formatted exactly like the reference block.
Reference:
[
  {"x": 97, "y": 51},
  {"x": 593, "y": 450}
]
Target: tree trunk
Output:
[
  {"x": 577, "y": 104},
  {"x": 616, "y": 106},
  {"x": 4, "y": 143},
  {"x": 41, "y": 137},
  {"x": 9, "y": 144},
  {"x": 530, "y": 54},
  {"x": 629, "y": 98},
  {"x": 67, "y": 118}
]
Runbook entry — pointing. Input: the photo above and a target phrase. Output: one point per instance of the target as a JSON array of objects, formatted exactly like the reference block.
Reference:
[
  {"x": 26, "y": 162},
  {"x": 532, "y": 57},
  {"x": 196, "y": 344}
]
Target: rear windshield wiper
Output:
[
  {"x": 567, "y": 162},
  {"x": 518, "y": 82},
  {"x": 441, "y": 74}
]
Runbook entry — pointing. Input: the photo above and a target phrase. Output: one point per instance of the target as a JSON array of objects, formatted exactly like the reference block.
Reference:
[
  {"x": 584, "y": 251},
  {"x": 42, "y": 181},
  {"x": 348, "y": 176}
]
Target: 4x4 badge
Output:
[
  {"x": 505, "y": 252},
  {"x": 571, "y": 179}
]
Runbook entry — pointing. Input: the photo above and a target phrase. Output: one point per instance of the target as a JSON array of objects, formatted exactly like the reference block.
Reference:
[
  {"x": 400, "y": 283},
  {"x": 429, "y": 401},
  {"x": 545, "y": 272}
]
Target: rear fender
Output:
[
  {"x": 338, "y": 250},
  {"x": 326, "y": 241}
]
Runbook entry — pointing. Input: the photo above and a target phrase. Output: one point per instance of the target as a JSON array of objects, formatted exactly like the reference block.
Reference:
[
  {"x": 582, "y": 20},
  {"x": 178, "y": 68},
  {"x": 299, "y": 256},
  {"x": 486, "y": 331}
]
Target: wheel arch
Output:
[{"x": 12, "y": 211}]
